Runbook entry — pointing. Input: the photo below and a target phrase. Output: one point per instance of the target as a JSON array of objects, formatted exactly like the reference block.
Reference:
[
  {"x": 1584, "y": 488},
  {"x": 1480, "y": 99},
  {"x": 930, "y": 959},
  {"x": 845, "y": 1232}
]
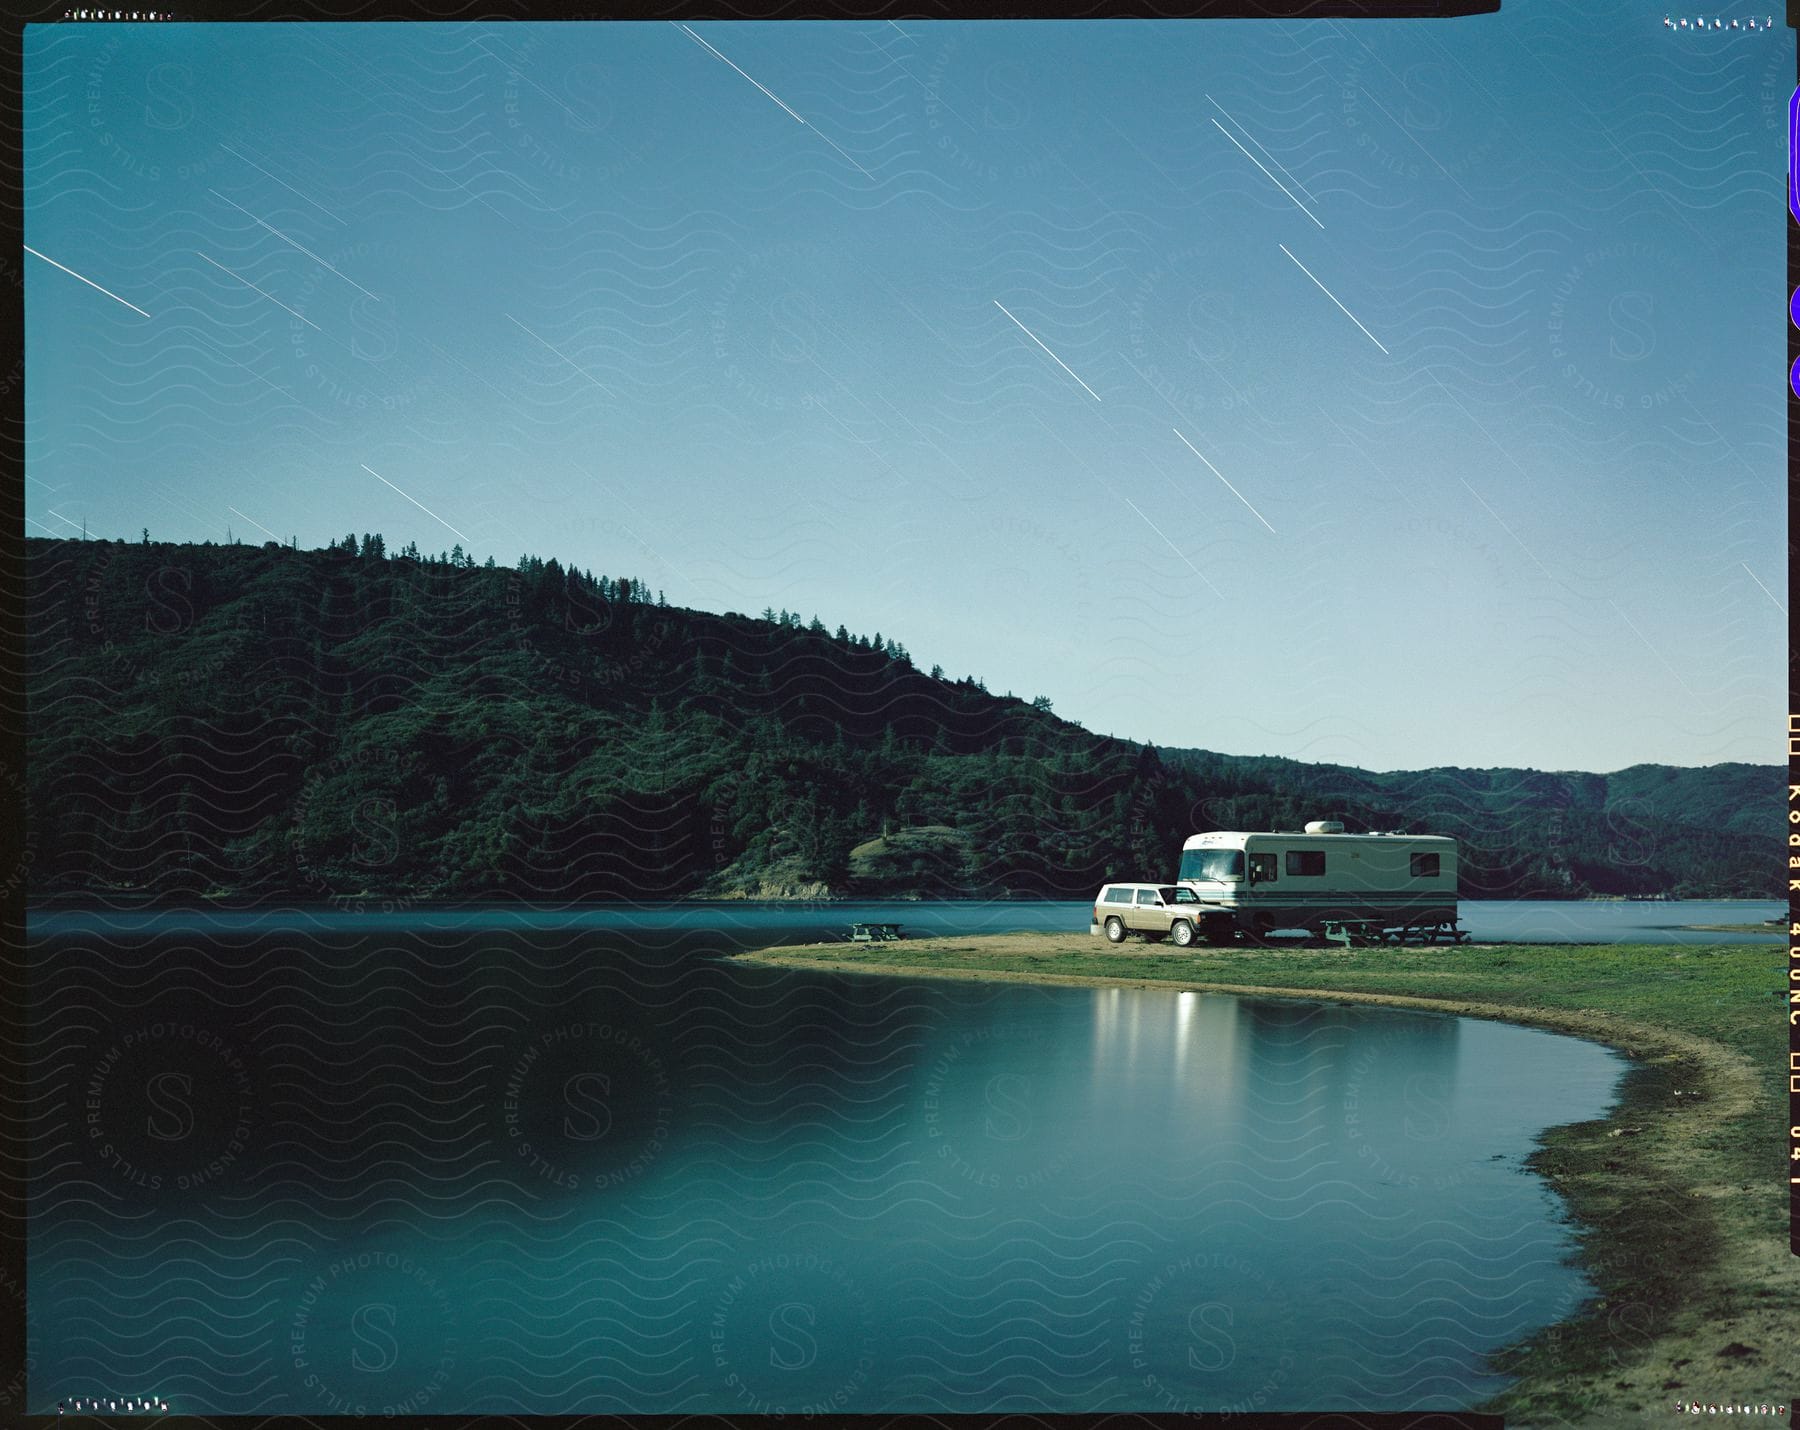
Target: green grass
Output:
[
  {"x": 1701, "y": 989},
  {"x": 1734, "y": 928}
]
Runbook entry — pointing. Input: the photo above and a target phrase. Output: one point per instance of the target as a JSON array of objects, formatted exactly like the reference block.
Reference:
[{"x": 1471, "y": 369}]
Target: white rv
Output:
[{"x": 1307, "y": 880}]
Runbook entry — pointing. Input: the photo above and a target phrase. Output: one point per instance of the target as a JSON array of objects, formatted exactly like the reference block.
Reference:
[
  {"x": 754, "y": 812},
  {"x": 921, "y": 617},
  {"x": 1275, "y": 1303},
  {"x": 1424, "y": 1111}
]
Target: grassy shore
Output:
[
  {"x": 1677, "y": 1197},
  {"x": 1733, "y": 928}
]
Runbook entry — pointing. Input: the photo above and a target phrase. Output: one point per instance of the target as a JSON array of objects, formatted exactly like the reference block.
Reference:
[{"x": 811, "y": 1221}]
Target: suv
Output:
[{"x": 1158, "y": 911}]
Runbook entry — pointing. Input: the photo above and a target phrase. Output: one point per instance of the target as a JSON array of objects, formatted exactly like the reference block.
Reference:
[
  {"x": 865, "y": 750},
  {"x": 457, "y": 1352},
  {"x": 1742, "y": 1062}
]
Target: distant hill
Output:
[
  {"x": 255, "y": 722},
  {"x": 1646, "y": 829}
]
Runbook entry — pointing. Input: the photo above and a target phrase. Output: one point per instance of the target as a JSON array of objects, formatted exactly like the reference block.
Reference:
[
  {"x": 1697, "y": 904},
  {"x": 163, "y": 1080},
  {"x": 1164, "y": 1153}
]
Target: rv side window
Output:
[
  {"x": 1307, "y": 862},
  {"x": 1118, "y": 896},
  {"x": 1262, "y": 868},
  {"x": 1424, "y": 866}
]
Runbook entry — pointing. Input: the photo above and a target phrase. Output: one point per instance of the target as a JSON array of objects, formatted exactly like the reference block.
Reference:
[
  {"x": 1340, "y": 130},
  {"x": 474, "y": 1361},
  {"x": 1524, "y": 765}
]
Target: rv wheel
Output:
[
  {"x": 1182, "y": 932},
  {"x": 1115, "y": 930}
]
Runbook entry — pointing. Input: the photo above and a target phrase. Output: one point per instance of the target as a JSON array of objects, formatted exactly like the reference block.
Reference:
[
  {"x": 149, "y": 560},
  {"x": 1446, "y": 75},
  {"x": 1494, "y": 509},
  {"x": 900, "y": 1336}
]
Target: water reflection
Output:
[{"x": 614, "y": 1176}]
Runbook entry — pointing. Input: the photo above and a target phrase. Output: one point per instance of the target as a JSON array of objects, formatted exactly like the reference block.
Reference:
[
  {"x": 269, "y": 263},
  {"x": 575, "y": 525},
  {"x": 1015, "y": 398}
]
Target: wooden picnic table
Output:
[{"x": 875, "y": 933}]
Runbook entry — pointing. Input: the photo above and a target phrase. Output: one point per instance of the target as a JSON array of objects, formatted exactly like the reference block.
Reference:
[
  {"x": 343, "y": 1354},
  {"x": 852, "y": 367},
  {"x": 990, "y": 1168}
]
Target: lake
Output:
[
  {"x": 591, "y": 1165},
  {"x": 1521, "y": 921}
]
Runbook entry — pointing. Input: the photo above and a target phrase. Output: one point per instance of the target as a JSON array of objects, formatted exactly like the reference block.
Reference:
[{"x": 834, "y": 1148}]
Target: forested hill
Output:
[{"x": 260, "y": 722}]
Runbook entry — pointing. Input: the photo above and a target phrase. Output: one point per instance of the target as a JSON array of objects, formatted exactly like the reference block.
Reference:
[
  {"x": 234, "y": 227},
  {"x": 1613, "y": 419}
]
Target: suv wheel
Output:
[
  {"x": 1182, "y": 932},
  {"x": 1115, "y": 929}
]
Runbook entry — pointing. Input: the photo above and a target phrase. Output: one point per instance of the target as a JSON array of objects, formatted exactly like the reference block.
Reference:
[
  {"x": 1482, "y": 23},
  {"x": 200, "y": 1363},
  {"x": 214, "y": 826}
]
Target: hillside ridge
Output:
[{"x": 256, "y": 722}]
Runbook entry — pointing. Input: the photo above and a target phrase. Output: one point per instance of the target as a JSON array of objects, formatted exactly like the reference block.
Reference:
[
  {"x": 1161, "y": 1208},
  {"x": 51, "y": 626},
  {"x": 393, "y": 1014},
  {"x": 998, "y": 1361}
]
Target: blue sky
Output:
[{"x": 1395, "y": 393}]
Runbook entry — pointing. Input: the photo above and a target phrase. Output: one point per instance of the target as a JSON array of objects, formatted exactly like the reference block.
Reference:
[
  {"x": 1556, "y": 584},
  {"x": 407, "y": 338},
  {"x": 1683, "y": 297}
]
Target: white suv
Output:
[{"x": 1159, "y": 911}]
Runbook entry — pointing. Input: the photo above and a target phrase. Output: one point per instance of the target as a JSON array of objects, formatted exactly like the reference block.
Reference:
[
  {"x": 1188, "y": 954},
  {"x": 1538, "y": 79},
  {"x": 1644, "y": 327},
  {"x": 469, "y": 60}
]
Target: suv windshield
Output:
[
  {"x": 1212, "y": 864},
  {"x": 1172, "y": 894}
]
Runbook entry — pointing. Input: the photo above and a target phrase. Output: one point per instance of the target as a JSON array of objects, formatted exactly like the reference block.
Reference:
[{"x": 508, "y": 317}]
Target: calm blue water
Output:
[
  {"x": 600, "y": 1168},
  {"x": 1526, "y": 921}
]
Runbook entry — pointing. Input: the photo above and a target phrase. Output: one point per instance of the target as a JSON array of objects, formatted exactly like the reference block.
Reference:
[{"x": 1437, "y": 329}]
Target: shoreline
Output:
[
  {"x": 1689, "y": 1274},
  {"x": 114, "y": 900}
]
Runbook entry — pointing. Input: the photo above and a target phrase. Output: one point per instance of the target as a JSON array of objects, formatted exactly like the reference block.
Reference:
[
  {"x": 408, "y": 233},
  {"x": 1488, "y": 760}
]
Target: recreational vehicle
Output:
[{"x": 1324, "y": 877}]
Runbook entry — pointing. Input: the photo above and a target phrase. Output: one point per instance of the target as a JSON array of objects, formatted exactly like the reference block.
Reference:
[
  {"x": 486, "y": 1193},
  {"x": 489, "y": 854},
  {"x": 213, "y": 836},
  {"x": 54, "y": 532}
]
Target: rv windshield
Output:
[{"x": 1214, "y": 864}]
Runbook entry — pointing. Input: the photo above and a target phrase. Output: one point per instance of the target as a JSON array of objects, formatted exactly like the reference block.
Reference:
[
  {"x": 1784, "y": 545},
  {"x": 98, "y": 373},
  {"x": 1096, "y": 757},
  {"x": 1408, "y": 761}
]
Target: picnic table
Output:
[
  {"x": 875, "y": 933},
  {"x": 1350, "y": 933},
  {"x": 1365, "y": 933}
]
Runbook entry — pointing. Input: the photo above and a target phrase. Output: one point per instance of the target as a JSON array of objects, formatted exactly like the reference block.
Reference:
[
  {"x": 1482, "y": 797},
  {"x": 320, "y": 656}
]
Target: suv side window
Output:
[
  {"x": 1262, "y": 868},
  {"x": 1147, "y": 896},
  {"x": 1118, "y": 896}
]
